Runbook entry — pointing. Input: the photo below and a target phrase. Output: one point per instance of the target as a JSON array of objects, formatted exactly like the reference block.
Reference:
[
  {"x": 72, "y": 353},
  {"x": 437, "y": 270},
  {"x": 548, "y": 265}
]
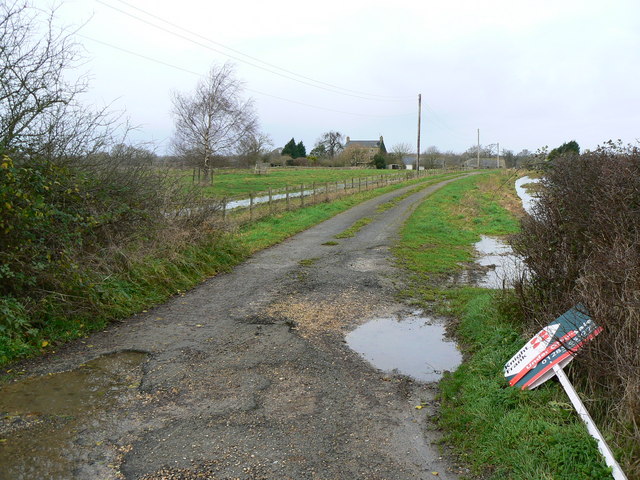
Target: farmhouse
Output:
[{"x": 368, "y": 147}]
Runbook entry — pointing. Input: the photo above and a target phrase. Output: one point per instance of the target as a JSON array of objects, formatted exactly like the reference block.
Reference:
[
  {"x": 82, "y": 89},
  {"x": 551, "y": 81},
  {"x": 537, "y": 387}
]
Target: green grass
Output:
[
  {"x": 499, "y": 431},
  {"x": 441, "y": 232},
  {"x": 243, "y": 182},
  {"x": 355, "y": 228}
]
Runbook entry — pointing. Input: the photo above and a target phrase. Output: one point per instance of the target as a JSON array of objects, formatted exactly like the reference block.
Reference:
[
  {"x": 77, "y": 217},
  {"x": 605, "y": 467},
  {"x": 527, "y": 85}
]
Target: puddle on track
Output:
[
  {"x": 414, "y": 346},
  {"x": 43, "y": 417}
]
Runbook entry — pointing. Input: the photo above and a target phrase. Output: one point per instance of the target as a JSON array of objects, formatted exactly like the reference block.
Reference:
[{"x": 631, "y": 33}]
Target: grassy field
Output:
[
  {"x": 500, "y": 432},
  {"x": 234, "y": 183}
]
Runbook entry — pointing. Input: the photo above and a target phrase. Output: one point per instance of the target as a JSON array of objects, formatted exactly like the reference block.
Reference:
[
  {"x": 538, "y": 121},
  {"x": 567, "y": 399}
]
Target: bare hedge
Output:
[{"x": 582, "y": 245}]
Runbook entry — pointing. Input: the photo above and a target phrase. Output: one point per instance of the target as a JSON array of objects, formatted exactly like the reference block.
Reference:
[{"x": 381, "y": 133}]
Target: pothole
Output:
[
  {"x": 413, "y": 345},
  {"x": 50, "y": 424}
]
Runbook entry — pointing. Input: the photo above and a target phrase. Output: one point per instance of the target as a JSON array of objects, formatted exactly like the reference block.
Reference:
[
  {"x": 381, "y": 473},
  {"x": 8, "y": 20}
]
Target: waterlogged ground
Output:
[
  {"x": 247, "y": 376},
  {"x": 499, "y": 265}
]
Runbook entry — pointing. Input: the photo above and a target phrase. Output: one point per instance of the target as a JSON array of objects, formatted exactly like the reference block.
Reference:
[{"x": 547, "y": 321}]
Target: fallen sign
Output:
[{"x": 547, "y": 353}]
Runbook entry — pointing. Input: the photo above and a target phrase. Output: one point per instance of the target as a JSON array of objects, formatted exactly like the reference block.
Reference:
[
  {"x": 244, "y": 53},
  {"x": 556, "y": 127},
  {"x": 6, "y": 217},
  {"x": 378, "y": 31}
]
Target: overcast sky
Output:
[{"x": 526, "y": 73}]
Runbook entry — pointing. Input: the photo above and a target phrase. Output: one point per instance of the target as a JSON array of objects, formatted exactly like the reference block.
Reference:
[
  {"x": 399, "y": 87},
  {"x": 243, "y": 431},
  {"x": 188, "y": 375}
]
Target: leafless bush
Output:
[{"x": 583, "y": 246}]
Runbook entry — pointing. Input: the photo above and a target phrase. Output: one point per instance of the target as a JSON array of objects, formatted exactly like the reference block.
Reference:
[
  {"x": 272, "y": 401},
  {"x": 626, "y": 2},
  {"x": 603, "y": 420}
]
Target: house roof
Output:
[{"x": 364, "y": 143}]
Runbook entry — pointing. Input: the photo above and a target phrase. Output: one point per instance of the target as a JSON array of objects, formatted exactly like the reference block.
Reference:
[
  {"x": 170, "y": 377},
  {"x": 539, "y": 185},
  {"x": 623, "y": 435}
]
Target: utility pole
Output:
[
  {"x": 419, "y": 115},
  {"x": 498, "y": 157},
  {"x": 478, "y": 148}
]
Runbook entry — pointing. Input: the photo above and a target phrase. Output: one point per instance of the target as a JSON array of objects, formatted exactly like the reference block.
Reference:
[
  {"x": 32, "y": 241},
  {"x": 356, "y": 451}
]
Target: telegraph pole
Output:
[
  {"x": 478, "y": 148},
  {"x": 419, "y": 115}
]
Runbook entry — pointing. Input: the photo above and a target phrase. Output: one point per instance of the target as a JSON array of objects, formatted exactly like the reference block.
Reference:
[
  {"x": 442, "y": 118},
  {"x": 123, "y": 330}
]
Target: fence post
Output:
[
  {"x": 286, "y": 192},
  {"x": 313, "y": 192},
  {"x": 359, "y": 184},
  {"x": 251, "y": 206},
  {"x": 302, "y": 195},
  {"x": 270, "y": 199},
  {"x": 351, "y": 183},
  {"x": 224, "y": 208}
]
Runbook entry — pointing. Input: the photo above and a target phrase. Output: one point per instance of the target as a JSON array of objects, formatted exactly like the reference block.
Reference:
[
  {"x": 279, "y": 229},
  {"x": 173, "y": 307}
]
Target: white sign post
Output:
[{"x": 546, "y": 354}]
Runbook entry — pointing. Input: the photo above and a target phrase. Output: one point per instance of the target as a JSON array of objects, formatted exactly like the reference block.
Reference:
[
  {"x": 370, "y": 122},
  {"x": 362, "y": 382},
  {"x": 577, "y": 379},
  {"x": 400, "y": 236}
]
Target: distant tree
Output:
[
  {"x": 332, "y": 143},
  {"x": 568, "y": 148},
  {"x": 254, "y": 148},
  {"x": 131, "y": 155},
  {"x": 301, "y": 151},
  {"x": 430, "y": 157},
  {"x": 354, "y": 155},
  {"x": 319, "y": 151},
  {"x": 214, "y": 118},
  {"x": 509, "y": 158},
  {"x": 290, "y": 149},
  {"x": 379, "y": 161}
]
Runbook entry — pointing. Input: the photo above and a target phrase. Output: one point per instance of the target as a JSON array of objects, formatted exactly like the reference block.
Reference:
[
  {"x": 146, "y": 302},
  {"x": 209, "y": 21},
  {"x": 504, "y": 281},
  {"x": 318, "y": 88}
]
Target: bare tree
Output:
[
  {"x": 253, "y": 147},
  {"x": 355, "y": 155},
  {"x": 214, "y": 118},
  {"x": 39, "y": 110},
  {"x": 32, "y": 86},
  {"x": 332, "y": 143}
]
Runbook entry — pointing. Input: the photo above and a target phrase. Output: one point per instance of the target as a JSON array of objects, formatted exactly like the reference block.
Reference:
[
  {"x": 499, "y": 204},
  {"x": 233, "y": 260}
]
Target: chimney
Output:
[{"x": 348, "y": 139}]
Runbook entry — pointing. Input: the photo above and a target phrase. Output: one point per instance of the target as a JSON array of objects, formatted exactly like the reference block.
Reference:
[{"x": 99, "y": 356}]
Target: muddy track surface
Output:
[{"x": 246, "y": 376}]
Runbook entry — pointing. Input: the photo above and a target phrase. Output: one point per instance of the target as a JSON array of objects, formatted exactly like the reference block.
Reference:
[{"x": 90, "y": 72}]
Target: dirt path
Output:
[{"x": 248, "y": 376}]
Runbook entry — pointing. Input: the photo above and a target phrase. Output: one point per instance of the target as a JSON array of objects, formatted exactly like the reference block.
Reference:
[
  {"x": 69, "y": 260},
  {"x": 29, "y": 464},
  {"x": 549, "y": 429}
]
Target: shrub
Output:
[{"x": 583, "y": 246}]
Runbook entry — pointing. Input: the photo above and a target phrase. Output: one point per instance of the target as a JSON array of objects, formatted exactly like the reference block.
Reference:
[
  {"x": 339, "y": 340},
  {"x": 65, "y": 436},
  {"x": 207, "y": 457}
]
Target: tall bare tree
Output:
[
  {"x": 213, "y": 119},
  {"x": 252, "y": 148},
  {"x": 39, "y": 110},
  {"x": 332, "y": 142}
]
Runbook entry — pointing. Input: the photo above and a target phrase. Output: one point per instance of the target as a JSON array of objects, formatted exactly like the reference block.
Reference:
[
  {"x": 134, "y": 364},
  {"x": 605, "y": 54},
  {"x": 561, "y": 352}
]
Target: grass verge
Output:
[{"x": 500, "y": 432}]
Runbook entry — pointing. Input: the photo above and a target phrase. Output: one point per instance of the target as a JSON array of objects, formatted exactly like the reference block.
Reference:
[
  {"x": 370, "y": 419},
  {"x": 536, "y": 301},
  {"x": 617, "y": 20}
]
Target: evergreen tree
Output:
[
  {"x": 379, "y": 161},
  {"x": 300, "y": 150},
  {"x": 290, "y": 149},
  {"x": 571, "y": 147}
]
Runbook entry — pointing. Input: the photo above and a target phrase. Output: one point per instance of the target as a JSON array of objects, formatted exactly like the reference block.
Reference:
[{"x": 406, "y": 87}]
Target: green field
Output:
[{"x": 234, "y": 183}]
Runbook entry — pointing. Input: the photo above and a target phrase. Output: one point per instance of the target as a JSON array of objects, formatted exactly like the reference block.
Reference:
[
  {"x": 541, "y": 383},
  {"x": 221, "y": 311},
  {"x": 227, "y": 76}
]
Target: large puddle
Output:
[
  {"x": 51, "y": 425},
  {"x": 414, "y": 346}
]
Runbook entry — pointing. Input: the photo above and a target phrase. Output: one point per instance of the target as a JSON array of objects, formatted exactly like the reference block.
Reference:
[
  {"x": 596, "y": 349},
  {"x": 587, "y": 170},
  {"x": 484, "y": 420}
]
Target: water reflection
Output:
[{"x": 413, "y": 345}]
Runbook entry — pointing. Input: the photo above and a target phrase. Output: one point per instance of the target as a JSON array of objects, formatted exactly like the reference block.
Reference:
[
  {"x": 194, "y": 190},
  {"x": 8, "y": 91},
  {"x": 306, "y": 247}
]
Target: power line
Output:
[
  {"x": 171, "y": 65},
  {"x": 333, "y": 88}
]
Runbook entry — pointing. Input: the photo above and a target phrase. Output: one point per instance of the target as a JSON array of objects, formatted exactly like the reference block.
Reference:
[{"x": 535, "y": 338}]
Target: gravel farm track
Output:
[{"x": 248, "y": 375}]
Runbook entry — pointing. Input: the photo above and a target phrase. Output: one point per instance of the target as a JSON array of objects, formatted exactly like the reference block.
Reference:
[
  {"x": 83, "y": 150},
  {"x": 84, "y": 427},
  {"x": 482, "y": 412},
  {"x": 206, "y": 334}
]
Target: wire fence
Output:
[{"x": 258, "y": 204}]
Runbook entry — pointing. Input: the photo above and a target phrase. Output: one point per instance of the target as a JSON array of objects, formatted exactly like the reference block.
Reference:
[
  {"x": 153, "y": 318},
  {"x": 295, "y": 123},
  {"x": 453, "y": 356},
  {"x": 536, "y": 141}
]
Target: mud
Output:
[{"x": 246, "y": 376}]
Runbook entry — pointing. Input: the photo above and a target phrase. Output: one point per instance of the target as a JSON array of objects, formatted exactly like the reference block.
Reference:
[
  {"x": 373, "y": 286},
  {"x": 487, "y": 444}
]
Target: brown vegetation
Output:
[{"x": 583, "y": 246}]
